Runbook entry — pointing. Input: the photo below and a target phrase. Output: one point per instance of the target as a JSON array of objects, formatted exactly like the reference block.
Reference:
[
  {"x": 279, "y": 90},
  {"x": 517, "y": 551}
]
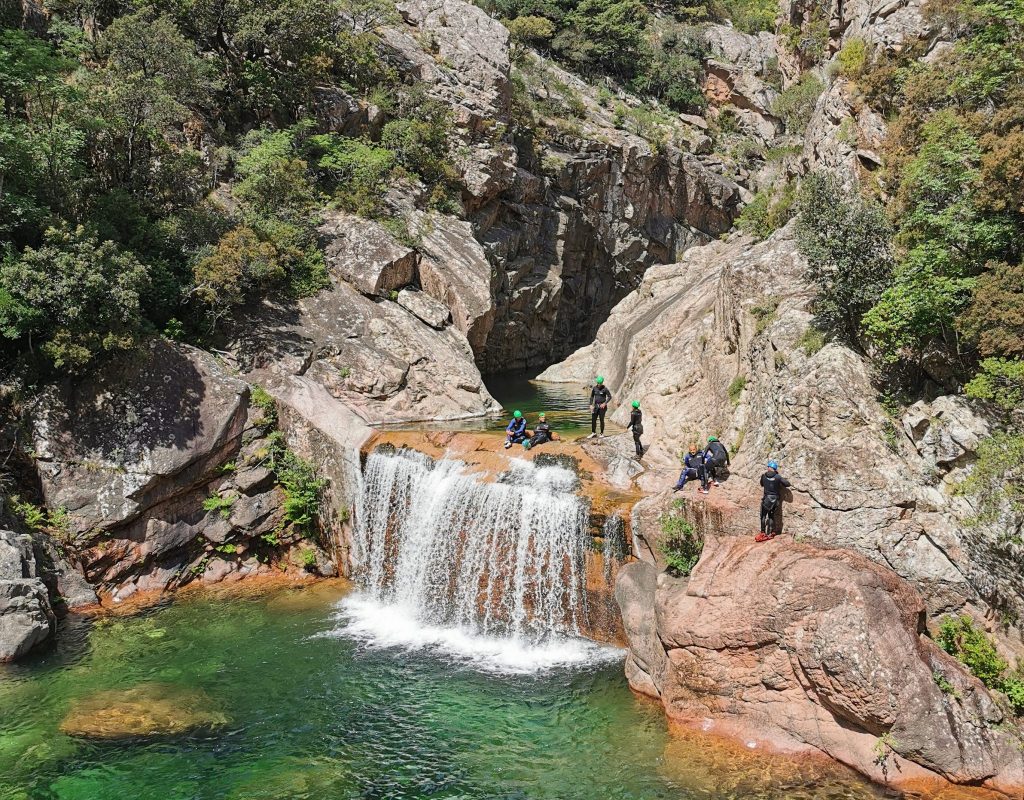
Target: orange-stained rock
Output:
[{"x": 795, "y": 647}]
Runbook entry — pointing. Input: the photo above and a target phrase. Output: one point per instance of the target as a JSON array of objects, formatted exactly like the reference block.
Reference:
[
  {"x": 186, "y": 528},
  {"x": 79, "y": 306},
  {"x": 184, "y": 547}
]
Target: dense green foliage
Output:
[
  {"x": 975, "y": 650},
  {"x": 846, "y": 241},
  {"x": 945, "y": 281},
  {"x": 160, "y": 164},
  {"x": 659, "y": 59},
  {"x": 680, "y": 543}
]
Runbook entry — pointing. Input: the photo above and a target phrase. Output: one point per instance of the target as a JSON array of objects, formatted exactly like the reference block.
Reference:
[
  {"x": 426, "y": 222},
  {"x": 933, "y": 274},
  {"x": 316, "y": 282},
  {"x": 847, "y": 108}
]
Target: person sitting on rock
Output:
[
  {"x": 771, "y": 504},
  {"x": 600, "y": 397},
  {"x": 636, "y": 424},
  {"x": 693, "y": 469},
  {"x": 516, "y": 430},
  {"x": 542, "y": 433},
  {"x": 716, "y": 458}
]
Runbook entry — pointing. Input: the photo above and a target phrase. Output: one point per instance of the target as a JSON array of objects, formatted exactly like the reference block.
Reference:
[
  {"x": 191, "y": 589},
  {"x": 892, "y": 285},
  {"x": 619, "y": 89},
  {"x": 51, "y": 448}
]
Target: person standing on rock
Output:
[
  {"x": 516, "y": 430},
  {"x": 771, "y": 504},
  {"x": 600, "y": 397},
  {"x": 693, "y": 469},
  {"x": 636, "y": 424},
  {"x": 716, "y": 458}
]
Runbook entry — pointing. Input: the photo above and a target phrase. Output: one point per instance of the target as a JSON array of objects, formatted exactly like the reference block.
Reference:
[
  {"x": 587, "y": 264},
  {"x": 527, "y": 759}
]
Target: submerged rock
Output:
[
  {"x": 796, "y": 647},
  {"x": 151, "y": 709}
]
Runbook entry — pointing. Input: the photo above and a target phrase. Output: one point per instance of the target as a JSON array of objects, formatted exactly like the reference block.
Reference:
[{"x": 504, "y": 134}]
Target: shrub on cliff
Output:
[
  {"x": 973, "y": 648},
  {"x": 74, "y": 297},
  {"x": 680, "y": 543}
]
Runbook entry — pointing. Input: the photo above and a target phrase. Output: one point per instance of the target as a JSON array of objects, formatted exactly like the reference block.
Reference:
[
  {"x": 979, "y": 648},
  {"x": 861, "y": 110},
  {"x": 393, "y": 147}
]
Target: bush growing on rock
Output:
[
  {"x": 959, "y": 637},
  {"x": 680, "y": 543},
  {"x": 795, "y": 105},
  {"x": 74, "y": 297}
]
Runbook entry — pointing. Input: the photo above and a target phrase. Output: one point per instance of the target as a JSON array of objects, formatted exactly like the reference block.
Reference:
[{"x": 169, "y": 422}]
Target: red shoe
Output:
[{"x": 762, "y": 537}]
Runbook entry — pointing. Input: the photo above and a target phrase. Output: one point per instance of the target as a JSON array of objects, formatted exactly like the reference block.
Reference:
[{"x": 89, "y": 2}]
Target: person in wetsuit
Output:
[
  {"x": 516, "y": 430},
  {"x": 771, "y": 504},
  {"x": 600, "y": 397},
  {"x": 693, "y": 469},
  {"x": 716, "y": 457},
  {"x": 541, "y": 434},
  {"x": 636, "y": 424}
]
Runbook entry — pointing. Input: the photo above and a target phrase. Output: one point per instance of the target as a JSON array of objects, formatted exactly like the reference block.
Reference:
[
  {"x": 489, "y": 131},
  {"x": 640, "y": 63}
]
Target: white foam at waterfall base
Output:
[
  {"x": 382, "y": 626},
  {"x": 490, "y": 573}
]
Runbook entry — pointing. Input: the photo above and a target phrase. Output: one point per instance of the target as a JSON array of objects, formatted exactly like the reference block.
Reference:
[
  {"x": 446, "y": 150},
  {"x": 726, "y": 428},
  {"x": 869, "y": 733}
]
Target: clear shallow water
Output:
[{"x": 317, "y": 713}]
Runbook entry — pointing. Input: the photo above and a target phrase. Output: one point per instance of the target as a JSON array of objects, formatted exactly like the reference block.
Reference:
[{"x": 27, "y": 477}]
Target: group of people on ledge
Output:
[
  {"x": 705, "y": 465},
  {"x": 600, "y": 398}
]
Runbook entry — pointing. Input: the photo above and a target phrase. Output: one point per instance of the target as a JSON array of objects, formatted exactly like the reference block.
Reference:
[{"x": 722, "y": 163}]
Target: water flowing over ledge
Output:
[{"x": 490, "y": 572}]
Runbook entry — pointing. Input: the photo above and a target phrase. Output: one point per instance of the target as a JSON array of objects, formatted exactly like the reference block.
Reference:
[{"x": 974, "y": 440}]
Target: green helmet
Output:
[
  {"x": 712, "y": 439},
  {"x": 517, "y": 413},
  {"x": 636, "y": 404},
  {"x": 599, "y": 379}
]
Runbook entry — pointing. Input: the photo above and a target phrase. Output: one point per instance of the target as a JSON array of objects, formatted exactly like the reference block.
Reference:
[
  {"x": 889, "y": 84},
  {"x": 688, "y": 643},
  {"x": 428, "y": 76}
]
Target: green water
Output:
[
  {"x": 322, "y": 716},
  {"x": 565, "y": 404}
]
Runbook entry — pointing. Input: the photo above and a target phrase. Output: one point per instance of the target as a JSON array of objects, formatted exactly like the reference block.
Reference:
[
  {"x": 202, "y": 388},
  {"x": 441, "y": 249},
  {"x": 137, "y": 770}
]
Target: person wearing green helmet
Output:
[
  {"x": 542, "y": 433},
  {"x": 600, "y": 397},
  {"x": 716, "y": 456},
  {"x": 636, "y": 424},
  {"x": 516, "y": 430}
]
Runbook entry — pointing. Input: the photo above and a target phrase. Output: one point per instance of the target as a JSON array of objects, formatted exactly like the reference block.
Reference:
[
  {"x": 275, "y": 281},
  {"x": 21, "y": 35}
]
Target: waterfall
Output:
[
  {"x": 501, "y": 559},
  {"x": 492, "y": 572},
  {"x": 613, "y": 548}
]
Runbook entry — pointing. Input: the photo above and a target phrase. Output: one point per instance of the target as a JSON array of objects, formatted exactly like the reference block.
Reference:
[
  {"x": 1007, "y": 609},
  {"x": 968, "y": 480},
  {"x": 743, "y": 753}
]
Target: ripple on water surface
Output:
[{"x": 311, "y": 714}]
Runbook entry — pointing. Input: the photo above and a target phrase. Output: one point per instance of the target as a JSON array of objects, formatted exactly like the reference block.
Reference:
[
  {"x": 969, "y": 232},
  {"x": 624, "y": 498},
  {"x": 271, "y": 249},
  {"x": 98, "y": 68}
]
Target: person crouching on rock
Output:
[
  {"x": 600, "y": 397},
  {"x": 716, "y": 458},
  {"x": 516, "y": 430},
  {"x": 542, "y": 433},
  {"x": 636, "y": 424},
  {"x": 693, "y": 469},
  {"x": 771, "y": 504}
]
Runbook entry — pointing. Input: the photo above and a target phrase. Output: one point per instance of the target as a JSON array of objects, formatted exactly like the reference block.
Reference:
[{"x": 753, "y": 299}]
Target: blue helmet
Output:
[{"x": 773, "y": 464}]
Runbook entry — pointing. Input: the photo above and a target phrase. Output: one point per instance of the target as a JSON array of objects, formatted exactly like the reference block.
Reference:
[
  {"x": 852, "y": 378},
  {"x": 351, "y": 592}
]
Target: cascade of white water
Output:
[
  {"x": 503, "y": 558},
  {"x": 613, "y": 550}
]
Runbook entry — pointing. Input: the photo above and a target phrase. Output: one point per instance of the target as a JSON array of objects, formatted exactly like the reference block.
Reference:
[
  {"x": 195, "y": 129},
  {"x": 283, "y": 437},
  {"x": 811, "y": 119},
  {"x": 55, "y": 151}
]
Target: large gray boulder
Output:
[
  {"x": 361, "y": 252},
  {"x": 26, "y": 619},
  {"x": 136, "y": 433}
]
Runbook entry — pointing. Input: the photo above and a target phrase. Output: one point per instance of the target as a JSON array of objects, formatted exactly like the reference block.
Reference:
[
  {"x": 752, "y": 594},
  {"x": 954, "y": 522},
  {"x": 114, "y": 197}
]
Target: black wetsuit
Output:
[
  {"x": 600, "y": 397},
  {"x": 541, "y": 434},
  {"x": 716, "y": 457},
  {"x": 636, "y": 424},
  {"x": 771, "y": 503}
]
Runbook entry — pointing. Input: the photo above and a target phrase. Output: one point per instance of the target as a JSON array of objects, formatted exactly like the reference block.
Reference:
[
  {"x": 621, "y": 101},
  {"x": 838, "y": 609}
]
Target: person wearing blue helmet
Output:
[
  {"x": 516, "y": 430},
  {"x": 771, "y": 504}
]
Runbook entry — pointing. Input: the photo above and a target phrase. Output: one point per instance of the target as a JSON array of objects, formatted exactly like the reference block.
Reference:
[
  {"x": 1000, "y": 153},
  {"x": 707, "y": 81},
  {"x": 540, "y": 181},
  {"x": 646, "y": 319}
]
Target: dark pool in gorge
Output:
[
  {"x": 312, "y": 712},
  {"x": 565, "y": 404}
]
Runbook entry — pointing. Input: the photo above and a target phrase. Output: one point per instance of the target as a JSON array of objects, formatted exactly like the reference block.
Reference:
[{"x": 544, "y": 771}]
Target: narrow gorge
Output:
[{"x": 275, "y": 276}]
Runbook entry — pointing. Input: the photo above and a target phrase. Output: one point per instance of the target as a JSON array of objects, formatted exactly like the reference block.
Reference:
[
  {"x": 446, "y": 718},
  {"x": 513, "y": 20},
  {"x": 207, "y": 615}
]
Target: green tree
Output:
[
  {"x": 76, "y": 297},
  {"x": 606, "y": 34},
  {"x": 847, "y": 242}
]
